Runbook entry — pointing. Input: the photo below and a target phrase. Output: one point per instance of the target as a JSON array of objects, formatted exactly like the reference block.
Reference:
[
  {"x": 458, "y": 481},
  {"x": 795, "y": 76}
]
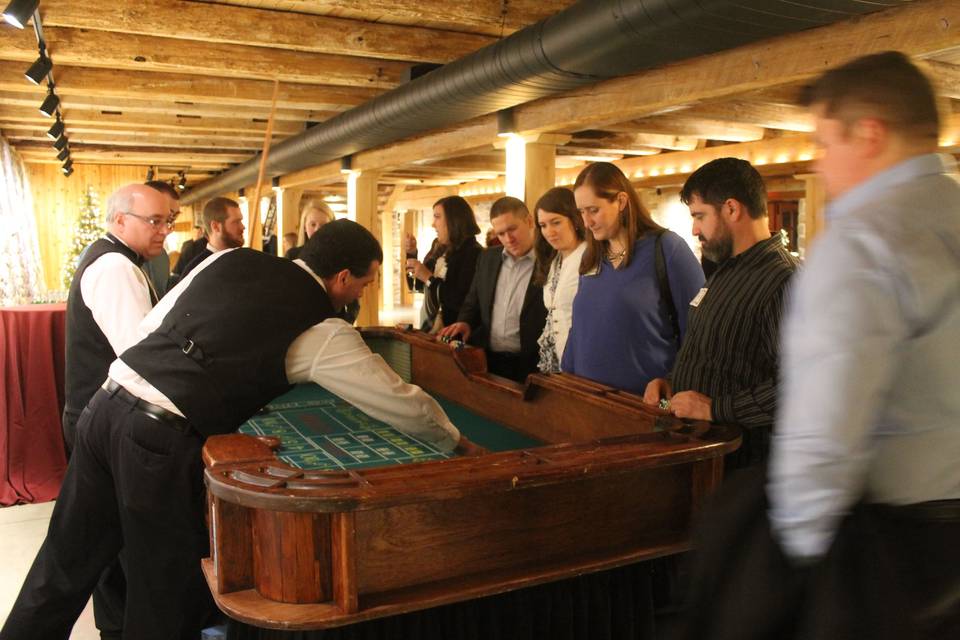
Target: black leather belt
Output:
[
  {"x": 167, "y": 418},
  {"x": 933, "y": 511}
]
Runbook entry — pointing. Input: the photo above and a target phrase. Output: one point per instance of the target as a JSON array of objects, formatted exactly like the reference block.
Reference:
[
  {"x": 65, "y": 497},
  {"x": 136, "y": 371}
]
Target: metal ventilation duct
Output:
[{"x": 590, "y": 41}]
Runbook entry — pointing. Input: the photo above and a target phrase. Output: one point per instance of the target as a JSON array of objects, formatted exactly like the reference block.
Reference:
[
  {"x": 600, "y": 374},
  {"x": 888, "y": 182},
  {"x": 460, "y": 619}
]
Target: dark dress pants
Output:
[
  {"x": 109, "y": 595},
  {"x": 134, "y": 487},
  {"x": 515, "y": 366}
]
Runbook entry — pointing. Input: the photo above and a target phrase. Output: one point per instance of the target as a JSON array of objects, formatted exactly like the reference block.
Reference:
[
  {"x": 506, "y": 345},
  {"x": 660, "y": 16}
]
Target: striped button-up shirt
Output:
[{"x": 733, "y": 331}]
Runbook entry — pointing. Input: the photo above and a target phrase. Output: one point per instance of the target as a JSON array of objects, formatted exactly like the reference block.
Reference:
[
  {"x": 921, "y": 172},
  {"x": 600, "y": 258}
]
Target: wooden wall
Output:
[{"x": 57, "y": 202}]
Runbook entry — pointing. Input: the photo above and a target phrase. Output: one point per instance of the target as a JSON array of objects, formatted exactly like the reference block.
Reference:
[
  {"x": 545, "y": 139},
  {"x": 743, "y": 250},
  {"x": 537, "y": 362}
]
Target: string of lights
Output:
[{"x": 18, "y": 13}]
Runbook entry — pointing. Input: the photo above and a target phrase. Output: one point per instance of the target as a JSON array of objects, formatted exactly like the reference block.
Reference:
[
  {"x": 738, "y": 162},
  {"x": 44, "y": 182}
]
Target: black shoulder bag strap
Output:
[{"x": 660, "y": 264}]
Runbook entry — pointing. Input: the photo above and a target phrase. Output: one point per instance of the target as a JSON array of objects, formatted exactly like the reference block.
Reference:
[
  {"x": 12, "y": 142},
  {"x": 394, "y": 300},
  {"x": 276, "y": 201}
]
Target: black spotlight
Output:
[
  {"x": 68, "y": 164},
  {"x": 64, "y": 154},
  {"x": 50, "y": 104},
  {"x": 18, "y": 12},
  {"x": 38, "y": 71},
  {"x": 56, "y": 130},
  {"x": 149, "y": 174},
  {"x": 67, "y": 171},
  {"x": 183, "y": 182},
  {"x": 60, "y": 143}
]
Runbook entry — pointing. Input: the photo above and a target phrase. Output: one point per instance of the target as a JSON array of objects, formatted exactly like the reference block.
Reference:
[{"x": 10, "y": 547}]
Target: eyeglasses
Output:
[{"x": 156, "y": 223}]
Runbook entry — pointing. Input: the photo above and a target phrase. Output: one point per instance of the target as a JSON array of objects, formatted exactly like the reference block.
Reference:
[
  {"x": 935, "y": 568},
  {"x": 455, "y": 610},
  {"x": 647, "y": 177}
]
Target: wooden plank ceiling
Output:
[{"x": 187, "y": 85}]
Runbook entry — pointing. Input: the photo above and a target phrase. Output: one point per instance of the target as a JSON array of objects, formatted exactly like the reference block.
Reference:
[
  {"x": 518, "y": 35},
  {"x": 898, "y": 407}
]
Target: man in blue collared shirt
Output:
[{"x": 869, "y": 410}]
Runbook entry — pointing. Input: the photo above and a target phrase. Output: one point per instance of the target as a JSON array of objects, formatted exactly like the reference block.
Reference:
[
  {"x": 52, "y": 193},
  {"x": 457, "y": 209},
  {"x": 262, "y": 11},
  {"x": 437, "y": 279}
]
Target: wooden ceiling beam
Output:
[
  {"x": 464, "y": 163},
  {"x": 758, "y": 114},
  {"x": 173, "y": 87},
  {"x": 630, "y": 143},
  {"x": 191, "y": 109},
  {"x": 691, "y": 126},
  {"x": 79, "y": 47},
  {"x": 145, "y": 121},
  {"x": 947, "y": 77},
  {"x": 490, "y": 17},
  {"x": 140, "y": 140},
  {"x": 150, "y": 155},
  {"x": 219, "y": 23}
]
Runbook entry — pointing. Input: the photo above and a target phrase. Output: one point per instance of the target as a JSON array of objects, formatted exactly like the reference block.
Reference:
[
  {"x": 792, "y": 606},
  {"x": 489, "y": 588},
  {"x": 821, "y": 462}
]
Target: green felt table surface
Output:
[{"x": 318, "y": 430}]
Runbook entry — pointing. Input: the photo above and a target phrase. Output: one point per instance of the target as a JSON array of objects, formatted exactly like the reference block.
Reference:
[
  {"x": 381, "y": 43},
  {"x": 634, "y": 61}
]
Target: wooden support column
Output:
[
  {"x": 363, "y": 191},
  {"x": 409, "y": 225},
  {"x": 540, "y": 171},
  {"x": 813, "y": 207},
  {"x": 288, "y": 218},
  {"x": 393, "y": 257}
]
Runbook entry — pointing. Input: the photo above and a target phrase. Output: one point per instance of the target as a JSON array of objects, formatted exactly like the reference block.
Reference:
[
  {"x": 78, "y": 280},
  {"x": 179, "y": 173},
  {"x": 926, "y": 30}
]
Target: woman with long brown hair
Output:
[
  {"x": 628, "y": 319},
  {"x": 446, "y": 282},
  {"x": 559, "y": 247}
]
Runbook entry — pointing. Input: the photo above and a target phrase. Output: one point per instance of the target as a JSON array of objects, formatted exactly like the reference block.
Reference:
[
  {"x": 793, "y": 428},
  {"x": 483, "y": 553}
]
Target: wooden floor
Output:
[{"x": 22, "y": 529}]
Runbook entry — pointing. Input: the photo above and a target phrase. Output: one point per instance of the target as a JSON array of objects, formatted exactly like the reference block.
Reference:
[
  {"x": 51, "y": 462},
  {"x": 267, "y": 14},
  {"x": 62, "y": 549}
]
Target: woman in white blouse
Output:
[{"x": 559, "y": 247}]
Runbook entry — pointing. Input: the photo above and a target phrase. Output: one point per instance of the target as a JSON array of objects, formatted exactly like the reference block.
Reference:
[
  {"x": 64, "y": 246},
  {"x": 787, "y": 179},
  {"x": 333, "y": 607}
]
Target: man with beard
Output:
[
  {"x": 726, "y": 370},
  {"x": 223, "y": 222}
]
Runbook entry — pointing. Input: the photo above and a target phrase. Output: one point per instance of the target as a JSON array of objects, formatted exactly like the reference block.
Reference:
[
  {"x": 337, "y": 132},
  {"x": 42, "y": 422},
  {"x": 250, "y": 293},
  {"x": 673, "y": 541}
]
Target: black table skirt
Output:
[{"x": 610, "y": 605}]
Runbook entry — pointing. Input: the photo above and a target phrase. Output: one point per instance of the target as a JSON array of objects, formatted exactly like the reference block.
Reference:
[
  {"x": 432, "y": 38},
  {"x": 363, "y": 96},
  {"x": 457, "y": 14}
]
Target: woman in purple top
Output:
[{"x": 622, "y": 333}]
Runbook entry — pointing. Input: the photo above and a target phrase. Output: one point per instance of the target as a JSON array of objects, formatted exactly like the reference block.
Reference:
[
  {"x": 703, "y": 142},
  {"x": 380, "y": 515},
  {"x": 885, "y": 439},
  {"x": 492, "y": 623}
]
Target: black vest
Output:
[
  {"x": 219, "y": 354},
  {"x": 89, "y": 353}
]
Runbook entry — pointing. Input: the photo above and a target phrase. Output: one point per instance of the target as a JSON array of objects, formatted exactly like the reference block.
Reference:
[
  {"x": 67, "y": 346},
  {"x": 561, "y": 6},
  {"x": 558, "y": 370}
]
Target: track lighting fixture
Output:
[
  {"x": 38, "y": 71},
  {"x": 18, "y": 12},
  {"x": 506, "y": 124},
  {"x": 56, "y": 130},
  {"x": 64, "y": 154},
  {"x": 67, "y": 171},
  {"x": 50, "y": 104},
  {"x": 182, "y": 184},
  {"x": 149, "y": 174},
  {"x": 60, "y": 143},
  {"x": 67, "y": 164}
]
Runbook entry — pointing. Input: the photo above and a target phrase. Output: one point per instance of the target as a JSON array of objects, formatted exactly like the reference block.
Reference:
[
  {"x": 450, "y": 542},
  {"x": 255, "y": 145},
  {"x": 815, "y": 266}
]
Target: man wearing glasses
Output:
[{"x": 109, "y": 297}]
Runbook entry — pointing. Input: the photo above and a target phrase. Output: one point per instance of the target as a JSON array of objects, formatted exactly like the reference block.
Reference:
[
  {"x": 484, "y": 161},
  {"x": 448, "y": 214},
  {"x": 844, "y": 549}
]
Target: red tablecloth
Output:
[{"x": 32, "y": 457}]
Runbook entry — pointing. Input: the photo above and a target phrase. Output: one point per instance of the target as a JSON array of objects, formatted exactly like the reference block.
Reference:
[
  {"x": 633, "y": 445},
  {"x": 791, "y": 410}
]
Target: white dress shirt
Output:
[
  {"x": 333, "y": 355},
  {"x": 118, "y": 295}
]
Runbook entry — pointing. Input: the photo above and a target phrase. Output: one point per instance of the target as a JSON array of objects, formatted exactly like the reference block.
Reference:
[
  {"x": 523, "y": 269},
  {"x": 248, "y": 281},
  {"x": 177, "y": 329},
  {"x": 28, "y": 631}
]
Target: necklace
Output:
[{"x": 614, "y": 256}]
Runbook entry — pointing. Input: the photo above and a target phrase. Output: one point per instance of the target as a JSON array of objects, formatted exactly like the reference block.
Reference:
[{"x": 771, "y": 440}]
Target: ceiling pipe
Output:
[{"x": 590, "y": 41}]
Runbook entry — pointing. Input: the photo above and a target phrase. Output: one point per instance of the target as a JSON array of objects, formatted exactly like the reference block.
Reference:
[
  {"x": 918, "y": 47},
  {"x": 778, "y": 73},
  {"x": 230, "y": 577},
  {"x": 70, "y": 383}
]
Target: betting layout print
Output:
[{"x": 318, "y": 430}]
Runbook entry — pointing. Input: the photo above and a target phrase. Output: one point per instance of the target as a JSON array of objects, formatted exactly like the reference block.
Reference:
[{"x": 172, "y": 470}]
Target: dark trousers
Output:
[
  {"x": 109, "y": 595},
  {"x": 133, "y": 489},
  {"x": 515, "y": 366},
  {"x": 892, "y": 573}
]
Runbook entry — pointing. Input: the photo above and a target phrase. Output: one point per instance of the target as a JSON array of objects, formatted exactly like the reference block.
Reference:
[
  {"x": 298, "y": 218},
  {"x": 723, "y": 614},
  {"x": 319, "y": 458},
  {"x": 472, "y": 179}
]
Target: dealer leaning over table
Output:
[{"x": 228, "y": 339}]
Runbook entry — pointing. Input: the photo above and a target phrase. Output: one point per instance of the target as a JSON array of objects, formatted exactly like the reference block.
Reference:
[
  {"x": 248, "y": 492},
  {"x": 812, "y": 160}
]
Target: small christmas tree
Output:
[{"x": 88, "y": 228}]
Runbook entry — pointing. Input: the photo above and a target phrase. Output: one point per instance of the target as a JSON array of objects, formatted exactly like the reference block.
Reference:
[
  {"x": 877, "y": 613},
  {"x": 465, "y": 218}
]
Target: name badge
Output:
[{"x": 698, "y": 298}]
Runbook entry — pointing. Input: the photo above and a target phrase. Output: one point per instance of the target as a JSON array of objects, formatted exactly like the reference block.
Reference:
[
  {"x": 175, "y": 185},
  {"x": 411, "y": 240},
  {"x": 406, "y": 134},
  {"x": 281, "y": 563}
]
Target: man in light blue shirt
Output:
[{"x": 870, "y": 406}]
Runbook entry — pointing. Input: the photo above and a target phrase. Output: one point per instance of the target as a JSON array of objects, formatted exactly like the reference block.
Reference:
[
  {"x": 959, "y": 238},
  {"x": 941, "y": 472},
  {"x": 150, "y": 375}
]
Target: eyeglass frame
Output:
[{"x": 155, "y": 223}]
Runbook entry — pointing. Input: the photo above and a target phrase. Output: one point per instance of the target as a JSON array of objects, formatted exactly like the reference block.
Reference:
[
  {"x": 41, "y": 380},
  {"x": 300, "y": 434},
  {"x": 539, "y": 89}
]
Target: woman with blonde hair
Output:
[
  {"x": 638, "y": 281},
  {"x": 315, "y": 214}
]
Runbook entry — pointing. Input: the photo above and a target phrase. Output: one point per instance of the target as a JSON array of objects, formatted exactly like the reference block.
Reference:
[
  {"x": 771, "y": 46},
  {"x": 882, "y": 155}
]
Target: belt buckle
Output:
[{"x": 187, "y": 348}]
